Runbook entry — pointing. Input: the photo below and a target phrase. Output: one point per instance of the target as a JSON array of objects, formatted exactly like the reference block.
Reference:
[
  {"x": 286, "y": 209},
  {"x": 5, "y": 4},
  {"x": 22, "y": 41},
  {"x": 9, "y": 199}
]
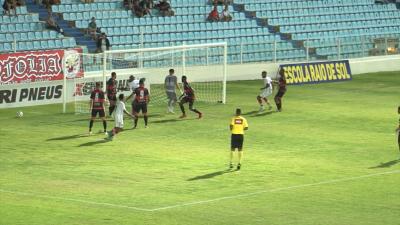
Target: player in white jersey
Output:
[
  {"x": 118, "y": 117},
  {"x": 133, "y": 83},
  {"x": 265, "y": 91}
]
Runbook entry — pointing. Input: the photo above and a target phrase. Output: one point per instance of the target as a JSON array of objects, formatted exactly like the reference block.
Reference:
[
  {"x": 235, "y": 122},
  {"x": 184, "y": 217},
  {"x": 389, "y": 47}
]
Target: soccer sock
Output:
[
  {"x": 182, "y": 108},
  {"x": 136, "y": 119},
  {"x": 145, "y": 120},
  {"x": 90, "y": 125},
  {"x": 105, "y": 125},
  {"x": 196, "y": 111},
  {"x": 111, "y": 109},
  {"x": 240, "y": 155}
]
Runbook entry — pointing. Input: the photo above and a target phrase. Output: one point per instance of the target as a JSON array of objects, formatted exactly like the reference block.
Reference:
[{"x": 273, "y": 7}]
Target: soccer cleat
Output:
[
  {"x": 146, "y": 126},
  {"x": 238, "y": 166},
  {"x": 183, "y": 116},
  {"x": 110, "y": 135},
  {"x": 106, "y": 133},
  {"x": 200, "y": 115},
  {"x": 230, "y": 165},
  {"x": 90, "y": 133}
]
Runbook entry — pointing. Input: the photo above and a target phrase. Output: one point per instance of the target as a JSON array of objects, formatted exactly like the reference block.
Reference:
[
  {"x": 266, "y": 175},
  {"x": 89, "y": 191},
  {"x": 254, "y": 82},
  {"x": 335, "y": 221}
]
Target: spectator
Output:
[
  {"x": 137, "y": 10},
  {"x": 213, "y": 15},
  {"x": 92, "y": 28},
  {"x": 20, "y": 2},
  {"x": 220, "y": 2},
  {"x": 165, "y": 8},
  {"x": 52, "y": 24},
  {"x": 225, "y": 15},
  {"x": 7, "y": 7},
  {"x": 127, "y": 4},
  {"x": 46, "y": 4},
  {"x": 144, "y": 5},
  {"x": 102, "y": 43}
]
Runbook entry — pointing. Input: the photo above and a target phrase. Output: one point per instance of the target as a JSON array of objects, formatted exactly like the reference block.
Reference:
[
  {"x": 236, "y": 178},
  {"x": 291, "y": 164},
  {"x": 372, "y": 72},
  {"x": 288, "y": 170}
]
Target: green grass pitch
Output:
[{"x": 330, "y": 158}]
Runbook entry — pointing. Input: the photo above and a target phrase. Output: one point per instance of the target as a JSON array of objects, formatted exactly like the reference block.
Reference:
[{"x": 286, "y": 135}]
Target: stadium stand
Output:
[
  {"x": 26, "y": 32},
  {"x": 280, "y": 30}
]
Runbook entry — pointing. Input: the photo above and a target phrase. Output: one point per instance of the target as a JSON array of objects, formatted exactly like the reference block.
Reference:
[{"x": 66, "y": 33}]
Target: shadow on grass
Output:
[
  {"x": 172, "y": 120},
  {"x": 262, "y": 114},
  {"x": 211, "y": 175},
  {"x": 386, "y": 164},
  {"x": 91, "y": 143},
  {"x": 250, "y": 113},
  {"x": 67, "y": 137}
]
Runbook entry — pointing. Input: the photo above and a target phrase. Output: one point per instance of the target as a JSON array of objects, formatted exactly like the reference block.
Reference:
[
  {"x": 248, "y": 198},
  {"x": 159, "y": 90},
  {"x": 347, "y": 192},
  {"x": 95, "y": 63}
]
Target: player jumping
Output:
[
  {"x": 187, "y": 96},
  {"x": 265, "y": 91},
  {"x": 281, "y": 91},
  {"x": 97, "y": 100},
  {"x": 112, "y": 92},
  {"x": 119, "y": 117}
]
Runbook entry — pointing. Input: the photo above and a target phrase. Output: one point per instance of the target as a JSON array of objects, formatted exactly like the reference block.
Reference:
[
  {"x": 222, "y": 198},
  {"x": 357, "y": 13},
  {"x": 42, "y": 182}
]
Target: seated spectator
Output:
[
  {"x": 220, "y": 2},
  {"x": 87, "y": 1},
  {"x": 145, "y": 6},
  {"x": 6, "y": 7},
  {"x": 213, "y": 15},
  {"x": 102, "y": 43},
  {"x": 20, "y": 2},
  {"x": 225, "y": 15},
  {"x": 127, "y": 4},
  {"x": 92, "y": 28},
  {"x": 165, "y": 8},
  {"x": 52, "y": 24},
  {"x": 137, "y": 10}
]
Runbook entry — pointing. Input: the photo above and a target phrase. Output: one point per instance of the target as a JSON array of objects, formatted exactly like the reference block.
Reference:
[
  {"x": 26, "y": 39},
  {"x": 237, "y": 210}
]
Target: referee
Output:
[{"x": 238, "y": 126}]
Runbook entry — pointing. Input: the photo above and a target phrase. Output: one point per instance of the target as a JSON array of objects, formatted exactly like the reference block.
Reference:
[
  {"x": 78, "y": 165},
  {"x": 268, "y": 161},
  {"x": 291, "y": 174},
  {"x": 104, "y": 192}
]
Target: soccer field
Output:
[{"x": 330, "y": 158}]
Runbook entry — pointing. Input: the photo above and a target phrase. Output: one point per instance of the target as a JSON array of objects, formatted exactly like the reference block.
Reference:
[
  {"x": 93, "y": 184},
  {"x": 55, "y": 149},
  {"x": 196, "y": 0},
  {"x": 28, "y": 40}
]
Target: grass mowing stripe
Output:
[{"x": 203, "y": 201}]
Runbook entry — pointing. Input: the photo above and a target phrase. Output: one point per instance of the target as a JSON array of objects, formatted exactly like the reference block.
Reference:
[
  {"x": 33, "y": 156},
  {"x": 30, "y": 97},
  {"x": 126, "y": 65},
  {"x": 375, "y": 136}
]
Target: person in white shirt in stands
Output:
[{"x": 225, "y": 15}]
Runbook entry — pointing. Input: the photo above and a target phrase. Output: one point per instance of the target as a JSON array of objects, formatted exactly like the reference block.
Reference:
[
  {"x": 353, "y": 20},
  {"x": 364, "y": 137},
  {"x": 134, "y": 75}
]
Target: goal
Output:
[{"x": 203, "y": 64}]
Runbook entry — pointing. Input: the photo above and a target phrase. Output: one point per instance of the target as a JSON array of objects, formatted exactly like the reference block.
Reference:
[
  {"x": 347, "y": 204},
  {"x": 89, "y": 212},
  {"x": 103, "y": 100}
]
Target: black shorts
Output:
[
  {"x": 99, "y": 111},
  {"x": 137, "y": 107},
  {"x": 237, "y": 141},
  {"x": 187, "y": 99},
  {"x": 280, "y": 94}
]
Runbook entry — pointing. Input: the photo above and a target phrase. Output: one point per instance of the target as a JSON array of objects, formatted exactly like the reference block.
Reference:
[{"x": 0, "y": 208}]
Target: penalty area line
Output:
[
  {"x": 276, "y": 190},
  {"x": 198, "y": 202}
]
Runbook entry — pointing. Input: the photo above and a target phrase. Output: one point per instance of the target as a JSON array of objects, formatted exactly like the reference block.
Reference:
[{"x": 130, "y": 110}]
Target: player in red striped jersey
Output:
[
  {"x": 97, "y": 100},
  {"x": 281, "y": 91},
  {"x": 142, "y": 97},
  {"x": 188, "y": 96},
  {"x": 112, "y": 92}
]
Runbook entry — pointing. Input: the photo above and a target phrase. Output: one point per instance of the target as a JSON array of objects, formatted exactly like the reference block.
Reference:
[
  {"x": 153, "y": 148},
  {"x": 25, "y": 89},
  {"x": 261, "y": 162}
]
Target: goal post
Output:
[{"x": 205, "y": 65}]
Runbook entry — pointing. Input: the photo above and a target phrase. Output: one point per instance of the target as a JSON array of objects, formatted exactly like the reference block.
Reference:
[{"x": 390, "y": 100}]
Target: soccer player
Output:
[
  {"x": 238, "y": 126},
  {"x": 133, "y": 83},
  {"x": 170, "y": 83},
  {"x": 112, "y": 92},
  {"x": 187, "y": 96},
  {"x": 398, "y": 129},
  {"x": 265, "y": 91},
  {"x": 119, "y": 117},
  {"x": 281, "y": 91},
  {"x": 97, "y": 100},
  {"x": 142, "y": 97}
]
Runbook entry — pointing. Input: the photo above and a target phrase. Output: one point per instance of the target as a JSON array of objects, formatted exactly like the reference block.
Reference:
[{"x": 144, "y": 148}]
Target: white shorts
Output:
[
  {"x": 119, "y": 122},
  {"x": 265, "y": 93}
]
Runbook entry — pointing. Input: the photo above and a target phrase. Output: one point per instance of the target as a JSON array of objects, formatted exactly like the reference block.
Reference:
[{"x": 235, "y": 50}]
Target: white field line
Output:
[{"x": 203, "y": 201}]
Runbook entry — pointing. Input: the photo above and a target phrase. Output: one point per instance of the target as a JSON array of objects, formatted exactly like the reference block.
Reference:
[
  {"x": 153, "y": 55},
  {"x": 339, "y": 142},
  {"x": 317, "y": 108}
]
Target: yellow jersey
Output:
[{"x": 238, "y": 124}]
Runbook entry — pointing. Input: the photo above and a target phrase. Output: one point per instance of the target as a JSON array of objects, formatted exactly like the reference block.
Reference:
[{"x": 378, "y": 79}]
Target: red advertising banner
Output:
[{"x": 26, "y": 67}]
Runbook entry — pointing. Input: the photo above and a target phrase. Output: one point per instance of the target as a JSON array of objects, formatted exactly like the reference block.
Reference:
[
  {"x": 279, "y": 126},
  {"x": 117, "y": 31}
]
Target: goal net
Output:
[{"x": 203, "y": 64}]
